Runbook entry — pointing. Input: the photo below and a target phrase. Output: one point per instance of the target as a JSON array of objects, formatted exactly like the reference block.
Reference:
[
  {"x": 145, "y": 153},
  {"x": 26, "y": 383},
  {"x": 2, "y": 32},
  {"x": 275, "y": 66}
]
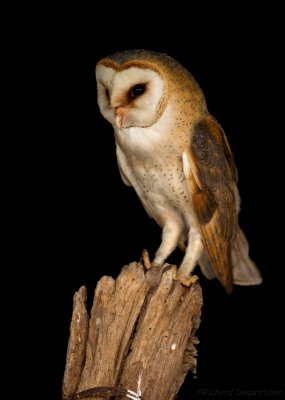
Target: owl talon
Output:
[
  {"x": 167, "y": 267},
  {"x": 188, "y": 281},
  {"x": 184, "y": 280},
  {"x": 145, "y": 260}
]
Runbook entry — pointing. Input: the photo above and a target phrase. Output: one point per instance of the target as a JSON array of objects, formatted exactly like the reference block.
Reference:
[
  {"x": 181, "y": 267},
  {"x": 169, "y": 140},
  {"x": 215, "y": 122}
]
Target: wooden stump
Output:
[{"x": 139, "y": 342}]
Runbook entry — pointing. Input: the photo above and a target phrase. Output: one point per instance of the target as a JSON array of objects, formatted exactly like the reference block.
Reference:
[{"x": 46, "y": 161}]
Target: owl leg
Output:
[
  {"x": 171, "y": 234},
  {"x": 193, "y": 253}
]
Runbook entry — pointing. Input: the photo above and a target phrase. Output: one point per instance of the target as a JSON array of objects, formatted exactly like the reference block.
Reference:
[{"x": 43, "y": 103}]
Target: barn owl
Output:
[{"x": 177, "y": 158}]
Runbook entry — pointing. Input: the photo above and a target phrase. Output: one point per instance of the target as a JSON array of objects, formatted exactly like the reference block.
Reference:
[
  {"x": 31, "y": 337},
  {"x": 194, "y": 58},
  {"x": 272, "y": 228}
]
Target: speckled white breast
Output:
[
  {"x": 160, "y": 184},
  {"x": 151, "y": 160}
]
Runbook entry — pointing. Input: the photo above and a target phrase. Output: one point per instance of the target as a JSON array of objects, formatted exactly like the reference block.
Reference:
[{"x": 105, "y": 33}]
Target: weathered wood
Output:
[
  {"x": 77, "y": 343},
  {"x": 141, "y": 337}
]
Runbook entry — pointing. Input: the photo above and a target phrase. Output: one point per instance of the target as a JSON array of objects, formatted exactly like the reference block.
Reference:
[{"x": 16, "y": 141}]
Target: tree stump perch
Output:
[{"x": 140, "y": 340}]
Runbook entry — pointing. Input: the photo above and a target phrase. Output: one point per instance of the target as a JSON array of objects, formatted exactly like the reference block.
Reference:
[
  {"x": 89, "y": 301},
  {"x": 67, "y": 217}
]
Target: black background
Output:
[{"x": 93, "y": 224}]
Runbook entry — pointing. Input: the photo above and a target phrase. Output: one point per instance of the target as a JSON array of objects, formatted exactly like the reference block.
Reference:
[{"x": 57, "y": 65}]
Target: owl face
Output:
[{"x": 130, "y": 97}]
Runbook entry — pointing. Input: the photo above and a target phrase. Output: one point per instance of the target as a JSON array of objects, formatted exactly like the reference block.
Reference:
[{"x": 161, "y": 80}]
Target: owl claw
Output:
[
  {"x": 145, "y": 260},
  {"x": 184, "y": 280},
  {"x": 188, "y": 281},
  {"x": 166, "y": 267}
]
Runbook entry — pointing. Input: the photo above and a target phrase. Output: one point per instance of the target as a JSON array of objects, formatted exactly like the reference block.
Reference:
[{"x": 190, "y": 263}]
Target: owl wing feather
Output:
[{"x": 211, "y": 179}]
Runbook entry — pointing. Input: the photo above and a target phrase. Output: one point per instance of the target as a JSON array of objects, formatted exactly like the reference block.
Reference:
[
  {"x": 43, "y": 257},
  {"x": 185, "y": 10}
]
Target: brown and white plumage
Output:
[{"x": 178, "y": 160}]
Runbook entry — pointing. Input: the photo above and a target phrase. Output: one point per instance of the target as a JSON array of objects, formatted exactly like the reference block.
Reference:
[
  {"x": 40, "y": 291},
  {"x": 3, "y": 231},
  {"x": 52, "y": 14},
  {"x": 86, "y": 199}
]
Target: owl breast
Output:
[
  {"x": 162, "y": 181},
  {"x": 157, "y": 176}
]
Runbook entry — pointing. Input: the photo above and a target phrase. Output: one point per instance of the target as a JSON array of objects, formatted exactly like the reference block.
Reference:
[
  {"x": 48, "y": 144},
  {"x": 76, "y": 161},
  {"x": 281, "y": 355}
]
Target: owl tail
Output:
[{"x": 245, "y": 271}]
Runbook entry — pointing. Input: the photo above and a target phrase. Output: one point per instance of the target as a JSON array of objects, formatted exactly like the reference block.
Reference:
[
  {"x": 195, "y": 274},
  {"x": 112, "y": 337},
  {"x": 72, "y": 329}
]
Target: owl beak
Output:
[{"x": 121, "y": 113}]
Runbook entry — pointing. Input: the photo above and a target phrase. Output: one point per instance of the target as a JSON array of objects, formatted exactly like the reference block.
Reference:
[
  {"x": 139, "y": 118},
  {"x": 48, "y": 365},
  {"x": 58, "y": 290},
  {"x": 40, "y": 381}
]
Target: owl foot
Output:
[{"x": 184, "y": 280}]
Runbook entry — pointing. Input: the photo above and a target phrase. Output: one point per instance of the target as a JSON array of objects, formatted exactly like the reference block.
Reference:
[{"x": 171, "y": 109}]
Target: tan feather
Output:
[{"x": 211, "y": 185}]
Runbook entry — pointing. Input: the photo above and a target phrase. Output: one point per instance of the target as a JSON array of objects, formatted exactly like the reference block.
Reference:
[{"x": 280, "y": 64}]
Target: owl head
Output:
[{"x": 134, "y": 87}]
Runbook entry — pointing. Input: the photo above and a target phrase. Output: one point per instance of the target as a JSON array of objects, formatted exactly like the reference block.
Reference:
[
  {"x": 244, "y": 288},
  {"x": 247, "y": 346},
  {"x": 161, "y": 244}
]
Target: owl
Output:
[{"x": 177, "y": 158}]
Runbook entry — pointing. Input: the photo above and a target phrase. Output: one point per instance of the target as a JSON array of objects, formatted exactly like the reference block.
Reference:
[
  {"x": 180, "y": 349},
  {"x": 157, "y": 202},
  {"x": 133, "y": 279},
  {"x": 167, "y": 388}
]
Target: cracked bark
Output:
[{"x": 140, "y": 337}]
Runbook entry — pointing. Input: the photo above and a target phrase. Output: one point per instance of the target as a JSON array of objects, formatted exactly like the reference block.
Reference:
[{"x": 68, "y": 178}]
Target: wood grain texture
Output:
[
  {"x": 141, "y": 336},
  {"x": 77, "y": 343}
]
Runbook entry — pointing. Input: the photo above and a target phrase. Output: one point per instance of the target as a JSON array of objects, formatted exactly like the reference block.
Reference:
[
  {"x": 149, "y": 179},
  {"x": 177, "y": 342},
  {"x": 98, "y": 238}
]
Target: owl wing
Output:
[{"x": 211, "y": 178}]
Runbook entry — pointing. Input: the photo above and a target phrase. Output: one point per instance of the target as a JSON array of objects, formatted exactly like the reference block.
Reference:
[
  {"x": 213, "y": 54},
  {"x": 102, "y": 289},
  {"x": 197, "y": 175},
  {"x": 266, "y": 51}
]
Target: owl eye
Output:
[{"x": 136, "y": 90}]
